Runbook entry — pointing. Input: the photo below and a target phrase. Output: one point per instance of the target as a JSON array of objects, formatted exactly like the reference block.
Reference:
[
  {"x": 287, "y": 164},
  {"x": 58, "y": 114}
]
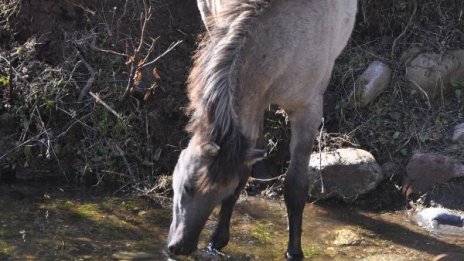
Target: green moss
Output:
[
  {"x": 4, "y": 80},
  {"x": 5, "y": 250},
  {"x": 88, "y": 211},
  {"x": 264, "y": 232},
  {"x": 312, "y": 251}
]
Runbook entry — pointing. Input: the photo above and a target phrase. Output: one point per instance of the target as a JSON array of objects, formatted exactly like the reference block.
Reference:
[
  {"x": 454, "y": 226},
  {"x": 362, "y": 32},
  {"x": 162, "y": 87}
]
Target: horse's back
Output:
[{"x": 293, "y": 46}]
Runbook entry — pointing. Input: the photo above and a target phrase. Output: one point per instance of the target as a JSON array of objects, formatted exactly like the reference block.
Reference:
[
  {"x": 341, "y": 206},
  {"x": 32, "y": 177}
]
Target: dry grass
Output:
[
  {"x": 401, "y": 120},
  {"x": 73, "y": 108}
]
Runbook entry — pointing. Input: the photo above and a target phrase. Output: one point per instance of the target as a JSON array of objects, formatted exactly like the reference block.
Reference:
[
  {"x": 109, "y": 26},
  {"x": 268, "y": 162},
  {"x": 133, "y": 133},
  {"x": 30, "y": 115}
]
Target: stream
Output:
[{"x": 66, "y": 223}]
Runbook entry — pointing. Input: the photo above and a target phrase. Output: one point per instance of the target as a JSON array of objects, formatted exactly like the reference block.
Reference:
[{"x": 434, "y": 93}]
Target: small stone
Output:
[
  {"x": 346, "y": 173},
  {"x": 125, "y": 255},
  {"x": 142, "y": 213},
  {"x": 458, "y": 133},
  {"x": 346, "y": 237},
  {"x": 371, "y": 83}
]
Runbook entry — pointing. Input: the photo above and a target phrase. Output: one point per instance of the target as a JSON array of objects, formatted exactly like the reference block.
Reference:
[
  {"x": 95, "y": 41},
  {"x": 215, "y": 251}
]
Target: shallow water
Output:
[{"x": 78, "y": 224}]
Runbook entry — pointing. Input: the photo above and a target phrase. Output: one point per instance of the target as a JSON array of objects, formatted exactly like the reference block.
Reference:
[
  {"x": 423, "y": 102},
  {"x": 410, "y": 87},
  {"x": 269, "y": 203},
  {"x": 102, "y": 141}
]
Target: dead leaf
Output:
[
  {"x": 156, "y": 75},
  {"x": 148, "y": 94},
  {"x": 138, "y": 77}
]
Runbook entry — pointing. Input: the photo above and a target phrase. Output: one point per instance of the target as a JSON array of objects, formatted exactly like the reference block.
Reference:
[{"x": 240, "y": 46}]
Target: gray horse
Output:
[{"x": 257, "y": 52}]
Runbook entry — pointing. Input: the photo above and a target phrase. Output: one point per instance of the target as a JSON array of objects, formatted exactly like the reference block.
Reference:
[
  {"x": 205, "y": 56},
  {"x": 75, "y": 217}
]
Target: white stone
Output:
[{"x": 371, "y": 83}]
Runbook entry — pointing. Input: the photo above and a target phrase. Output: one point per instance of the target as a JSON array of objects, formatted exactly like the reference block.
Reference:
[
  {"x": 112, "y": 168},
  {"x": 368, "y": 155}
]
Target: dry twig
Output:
[
  {"x": 405, "y": 29},
  {"x": 99, "y": 100},
  {"x": 85, "y": 90},
  {"x": 129, "y": 169}
]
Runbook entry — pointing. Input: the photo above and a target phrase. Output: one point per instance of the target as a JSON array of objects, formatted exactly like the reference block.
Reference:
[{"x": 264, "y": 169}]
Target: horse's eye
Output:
[{"x": 189, "y": 190}]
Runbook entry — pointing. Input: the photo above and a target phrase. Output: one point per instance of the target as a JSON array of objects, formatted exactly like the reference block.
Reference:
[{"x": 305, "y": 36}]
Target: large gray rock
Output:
[
  {"x": 434, "y": 73},
  {"x": 371, "y": 83},
  {"x": 425, "y": 170},
  {"x": 458, "y": 133},
  {"x": 346, "y": 173}
]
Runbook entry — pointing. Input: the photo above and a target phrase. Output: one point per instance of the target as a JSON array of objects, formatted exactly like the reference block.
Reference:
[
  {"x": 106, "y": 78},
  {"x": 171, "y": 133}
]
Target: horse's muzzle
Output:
[{"x": 180, "y": 249}]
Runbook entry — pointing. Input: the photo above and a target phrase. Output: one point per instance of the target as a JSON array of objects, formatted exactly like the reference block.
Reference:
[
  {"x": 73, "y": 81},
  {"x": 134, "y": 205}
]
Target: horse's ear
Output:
[
  {"x": 210, "y": 149},
  {"x": 254, "y": 155}
]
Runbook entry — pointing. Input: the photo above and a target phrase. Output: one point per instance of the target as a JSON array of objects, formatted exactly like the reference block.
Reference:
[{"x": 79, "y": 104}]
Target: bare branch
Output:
[
  {"x": 85, "y": 90},
  {"x": 162, "y": 55},
  {"x": 129, "y": 169},
  {"x": 405, "y": 29}
]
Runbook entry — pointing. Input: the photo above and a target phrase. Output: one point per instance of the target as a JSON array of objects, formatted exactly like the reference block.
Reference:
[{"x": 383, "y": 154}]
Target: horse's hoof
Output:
[
  {"x": 218, "y": 241},
  {"x": 211, "y": 250},
  {"x": 294, "y": 257}
]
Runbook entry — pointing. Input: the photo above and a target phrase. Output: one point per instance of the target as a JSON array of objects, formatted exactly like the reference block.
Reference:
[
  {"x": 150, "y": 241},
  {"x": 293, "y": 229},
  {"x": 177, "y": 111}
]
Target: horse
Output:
[
  {"x": 208, "y": 10},
  {"x": 256, "y": 53}
]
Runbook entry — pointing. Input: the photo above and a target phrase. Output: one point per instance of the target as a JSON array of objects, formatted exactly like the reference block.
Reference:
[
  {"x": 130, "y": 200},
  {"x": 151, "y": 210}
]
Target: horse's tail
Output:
[{"x": 214, "y": 82}]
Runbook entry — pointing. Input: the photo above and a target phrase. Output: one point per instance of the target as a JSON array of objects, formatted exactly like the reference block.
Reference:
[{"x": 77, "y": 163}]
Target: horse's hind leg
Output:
[
  {"x": 221, "y": 234},
  {"x": 304, "y": 124}
]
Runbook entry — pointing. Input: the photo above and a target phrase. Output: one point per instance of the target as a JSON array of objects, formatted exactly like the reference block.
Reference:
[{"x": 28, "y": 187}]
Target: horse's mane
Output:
[{"x": 213, "y": 84}]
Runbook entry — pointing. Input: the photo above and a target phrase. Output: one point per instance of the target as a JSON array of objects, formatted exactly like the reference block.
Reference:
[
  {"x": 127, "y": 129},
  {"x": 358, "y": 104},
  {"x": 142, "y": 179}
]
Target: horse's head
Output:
[{"x": 193, "y": 201}]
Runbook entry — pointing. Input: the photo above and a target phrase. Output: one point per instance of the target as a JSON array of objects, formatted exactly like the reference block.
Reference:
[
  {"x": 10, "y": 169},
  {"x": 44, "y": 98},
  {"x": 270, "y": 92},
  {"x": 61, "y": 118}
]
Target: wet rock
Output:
[
  {"x": 434, "y": 73},
  {"x": 425, "y": 170},
  {"x": 458, "y": 135},
  {"x": 371, "y": 83},
  {"x": 432, "y": 218},
  {"x": 346, "y": 237},
  {"x": 346, "y": 173}
]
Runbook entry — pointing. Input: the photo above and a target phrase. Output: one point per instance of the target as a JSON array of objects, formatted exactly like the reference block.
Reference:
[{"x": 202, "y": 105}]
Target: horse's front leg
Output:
[
  {"x": 304, "y": 124},
  {"x": 221, "y": 234}
]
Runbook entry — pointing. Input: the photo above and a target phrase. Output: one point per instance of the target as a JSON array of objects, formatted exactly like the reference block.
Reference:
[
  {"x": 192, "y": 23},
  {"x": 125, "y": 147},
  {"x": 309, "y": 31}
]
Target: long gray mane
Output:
[{"x": 213, "y": 85}]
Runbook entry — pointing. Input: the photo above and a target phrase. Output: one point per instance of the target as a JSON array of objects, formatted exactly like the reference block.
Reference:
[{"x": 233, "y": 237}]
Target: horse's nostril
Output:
[{"x": 172, "y": 249}]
